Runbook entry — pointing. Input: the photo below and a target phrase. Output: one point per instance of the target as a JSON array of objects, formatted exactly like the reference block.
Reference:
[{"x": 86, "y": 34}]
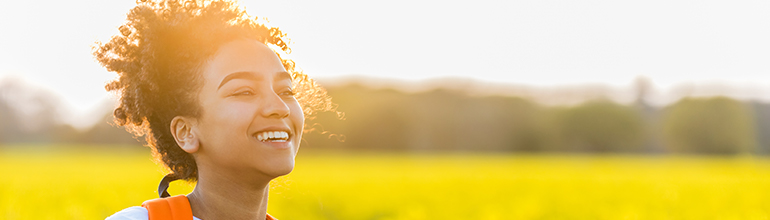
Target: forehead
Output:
[{"x": 241, "y": 56}]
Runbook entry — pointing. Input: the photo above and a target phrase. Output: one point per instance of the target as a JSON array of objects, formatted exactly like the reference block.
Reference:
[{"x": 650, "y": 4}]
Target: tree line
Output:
[{"x": 452, "y": 120}]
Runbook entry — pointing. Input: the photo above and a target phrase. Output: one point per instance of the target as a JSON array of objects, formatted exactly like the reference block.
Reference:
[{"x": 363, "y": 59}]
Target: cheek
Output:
[
  {"x": 225, "y": 120},
  {"x": 228, "y": 113},
  {"x": 297, "y": 115}
]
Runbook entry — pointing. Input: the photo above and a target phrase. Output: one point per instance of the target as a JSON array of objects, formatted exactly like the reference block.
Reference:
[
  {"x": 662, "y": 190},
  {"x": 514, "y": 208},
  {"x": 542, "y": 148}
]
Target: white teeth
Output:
[{"x": 273, "y": 136}]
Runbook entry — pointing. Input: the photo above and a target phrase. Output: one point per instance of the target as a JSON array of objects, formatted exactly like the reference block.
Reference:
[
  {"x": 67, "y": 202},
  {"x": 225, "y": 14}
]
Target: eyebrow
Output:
[
  {"x": 251, "y": 76},
  {"x": 283, "y": 75}
]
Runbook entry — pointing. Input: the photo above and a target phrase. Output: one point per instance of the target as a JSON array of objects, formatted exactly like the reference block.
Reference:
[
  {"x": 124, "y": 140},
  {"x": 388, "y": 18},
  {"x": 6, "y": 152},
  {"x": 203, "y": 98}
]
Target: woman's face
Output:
[{"x": 250, "y": 122}]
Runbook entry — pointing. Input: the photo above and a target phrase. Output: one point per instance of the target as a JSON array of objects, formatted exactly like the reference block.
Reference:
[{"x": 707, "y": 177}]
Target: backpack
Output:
[{"x": 171, "y": 207}]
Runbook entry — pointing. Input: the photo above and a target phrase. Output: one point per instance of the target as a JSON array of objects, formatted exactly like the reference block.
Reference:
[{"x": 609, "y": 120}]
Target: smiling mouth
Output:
[{"x": 273, "y": 136}]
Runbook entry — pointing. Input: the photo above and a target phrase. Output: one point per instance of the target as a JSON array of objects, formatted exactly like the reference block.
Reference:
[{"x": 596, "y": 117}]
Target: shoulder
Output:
[
  {"x": 130, "y": 213},
  {"x": 133, "y": 213}
]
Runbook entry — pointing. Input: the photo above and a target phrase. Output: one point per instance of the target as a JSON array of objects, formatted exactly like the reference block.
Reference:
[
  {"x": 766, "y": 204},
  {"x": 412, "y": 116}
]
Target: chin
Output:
[
  {"x": 282, "y": 169},
  {"x": 285, "y": 170},
  {"x": 278, "y": 165}
]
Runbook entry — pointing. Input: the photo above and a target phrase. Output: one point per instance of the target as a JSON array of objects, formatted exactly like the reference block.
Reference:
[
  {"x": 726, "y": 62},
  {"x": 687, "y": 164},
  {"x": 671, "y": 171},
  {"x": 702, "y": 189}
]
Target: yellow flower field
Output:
[{"x": 93, "y": 183}]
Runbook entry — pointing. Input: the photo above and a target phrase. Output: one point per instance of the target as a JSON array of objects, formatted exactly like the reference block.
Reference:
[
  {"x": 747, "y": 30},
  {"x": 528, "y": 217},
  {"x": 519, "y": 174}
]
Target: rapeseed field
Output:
[{"x": 92, "y": 184}]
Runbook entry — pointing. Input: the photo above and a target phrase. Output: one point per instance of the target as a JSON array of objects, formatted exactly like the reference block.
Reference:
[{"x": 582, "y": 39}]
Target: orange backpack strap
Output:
[{"x": 169, "y": 208}]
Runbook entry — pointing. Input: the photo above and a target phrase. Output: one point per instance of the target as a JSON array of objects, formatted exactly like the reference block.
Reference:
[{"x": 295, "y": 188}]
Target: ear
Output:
[{"x": 182, "y": 130}]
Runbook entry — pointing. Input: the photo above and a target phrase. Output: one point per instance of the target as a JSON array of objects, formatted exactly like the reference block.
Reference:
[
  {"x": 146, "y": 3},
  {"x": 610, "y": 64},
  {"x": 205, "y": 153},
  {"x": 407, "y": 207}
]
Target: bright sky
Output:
[{"x": 536, "y": 42}]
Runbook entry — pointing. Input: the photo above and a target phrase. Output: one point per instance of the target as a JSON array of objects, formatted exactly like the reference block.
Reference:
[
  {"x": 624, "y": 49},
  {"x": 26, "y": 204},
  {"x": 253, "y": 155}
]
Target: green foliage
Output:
[
  {"x": 93, "y": 185},
  {"x": 601, "y": 126},
  {"x": 434, "y": 120},
  {"x": 451, "y": 120},
  {"x": 762, "y": 125},
  {"x": 709, "y": 125}
]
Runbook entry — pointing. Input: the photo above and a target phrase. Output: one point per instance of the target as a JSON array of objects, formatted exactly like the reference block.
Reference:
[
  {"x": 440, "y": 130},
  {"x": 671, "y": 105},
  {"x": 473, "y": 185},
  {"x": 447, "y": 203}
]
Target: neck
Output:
[{"x": 226, "y": 198}]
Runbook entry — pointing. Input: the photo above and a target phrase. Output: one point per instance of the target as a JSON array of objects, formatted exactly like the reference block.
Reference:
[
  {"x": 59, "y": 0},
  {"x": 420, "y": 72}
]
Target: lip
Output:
[{"x": 277, "y": 145}]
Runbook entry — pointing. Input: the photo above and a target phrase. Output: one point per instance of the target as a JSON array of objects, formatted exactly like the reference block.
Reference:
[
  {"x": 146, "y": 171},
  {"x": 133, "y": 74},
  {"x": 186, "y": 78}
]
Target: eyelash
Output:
[
  {"x": 289, "y": 93},
  {"x": 249, "y": 92},
  {"x": 244, "y": 92}
]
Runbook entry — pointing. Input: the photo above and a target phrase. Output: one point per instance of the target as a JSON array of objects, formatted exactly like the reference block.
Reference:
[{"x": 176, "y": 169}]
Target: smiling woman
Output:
[{"x": 217, "y": 105}]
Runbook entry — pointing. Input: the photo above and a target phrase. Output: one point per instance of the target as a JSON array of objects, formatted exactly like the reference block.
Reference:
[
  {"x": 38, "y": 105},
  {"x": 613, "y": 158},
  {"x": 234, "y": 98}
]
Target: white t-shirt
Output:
[{"x": 133, "y": 213}]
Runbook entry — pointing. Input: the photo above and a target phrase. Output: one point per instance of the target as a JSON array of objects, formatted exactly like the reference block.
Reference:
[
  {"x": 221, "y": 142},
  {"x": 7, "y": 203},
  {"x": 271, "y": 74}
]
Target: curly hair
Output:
[{"x": 158, "y": 57}]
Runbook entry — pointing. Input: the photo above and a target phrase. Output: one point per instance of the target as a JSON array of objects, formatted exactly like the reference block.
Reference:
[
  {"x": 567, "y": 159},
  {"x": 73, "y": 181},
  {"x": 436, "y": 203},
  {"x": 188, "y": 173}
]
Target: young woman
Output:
[{"x": 217, "y": 105}]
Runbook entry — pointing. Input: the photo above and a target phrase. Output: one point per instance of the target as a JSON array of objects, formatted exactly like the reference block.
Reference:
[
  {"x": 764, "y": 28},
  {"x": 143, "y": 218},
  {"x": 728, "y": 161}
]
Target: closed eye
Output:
[
  {"x": 243, "y": 93},
  {"x": 287, "y": 93}
]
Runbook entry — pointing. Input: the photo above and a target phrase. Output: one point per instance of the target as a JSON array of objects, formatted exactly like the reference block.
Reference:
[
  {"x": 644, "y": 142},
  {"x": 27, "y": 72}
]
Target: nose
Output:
[{"x": 274, "y": 107}]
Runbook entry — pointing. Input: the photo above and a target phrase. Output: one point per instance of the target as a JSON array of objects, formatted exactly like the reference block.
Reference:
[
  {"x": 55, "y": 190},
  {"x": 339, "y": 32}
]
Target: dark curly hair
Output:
[{"x": 158, "y": 56}]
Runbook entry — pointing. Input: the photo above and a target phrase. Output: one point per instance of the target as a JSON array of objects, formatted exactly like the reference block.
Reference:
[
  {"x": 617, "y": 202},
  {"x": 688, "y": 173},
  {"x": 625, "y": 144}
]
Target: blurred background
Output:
[{"x": 483, "y": 109}]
